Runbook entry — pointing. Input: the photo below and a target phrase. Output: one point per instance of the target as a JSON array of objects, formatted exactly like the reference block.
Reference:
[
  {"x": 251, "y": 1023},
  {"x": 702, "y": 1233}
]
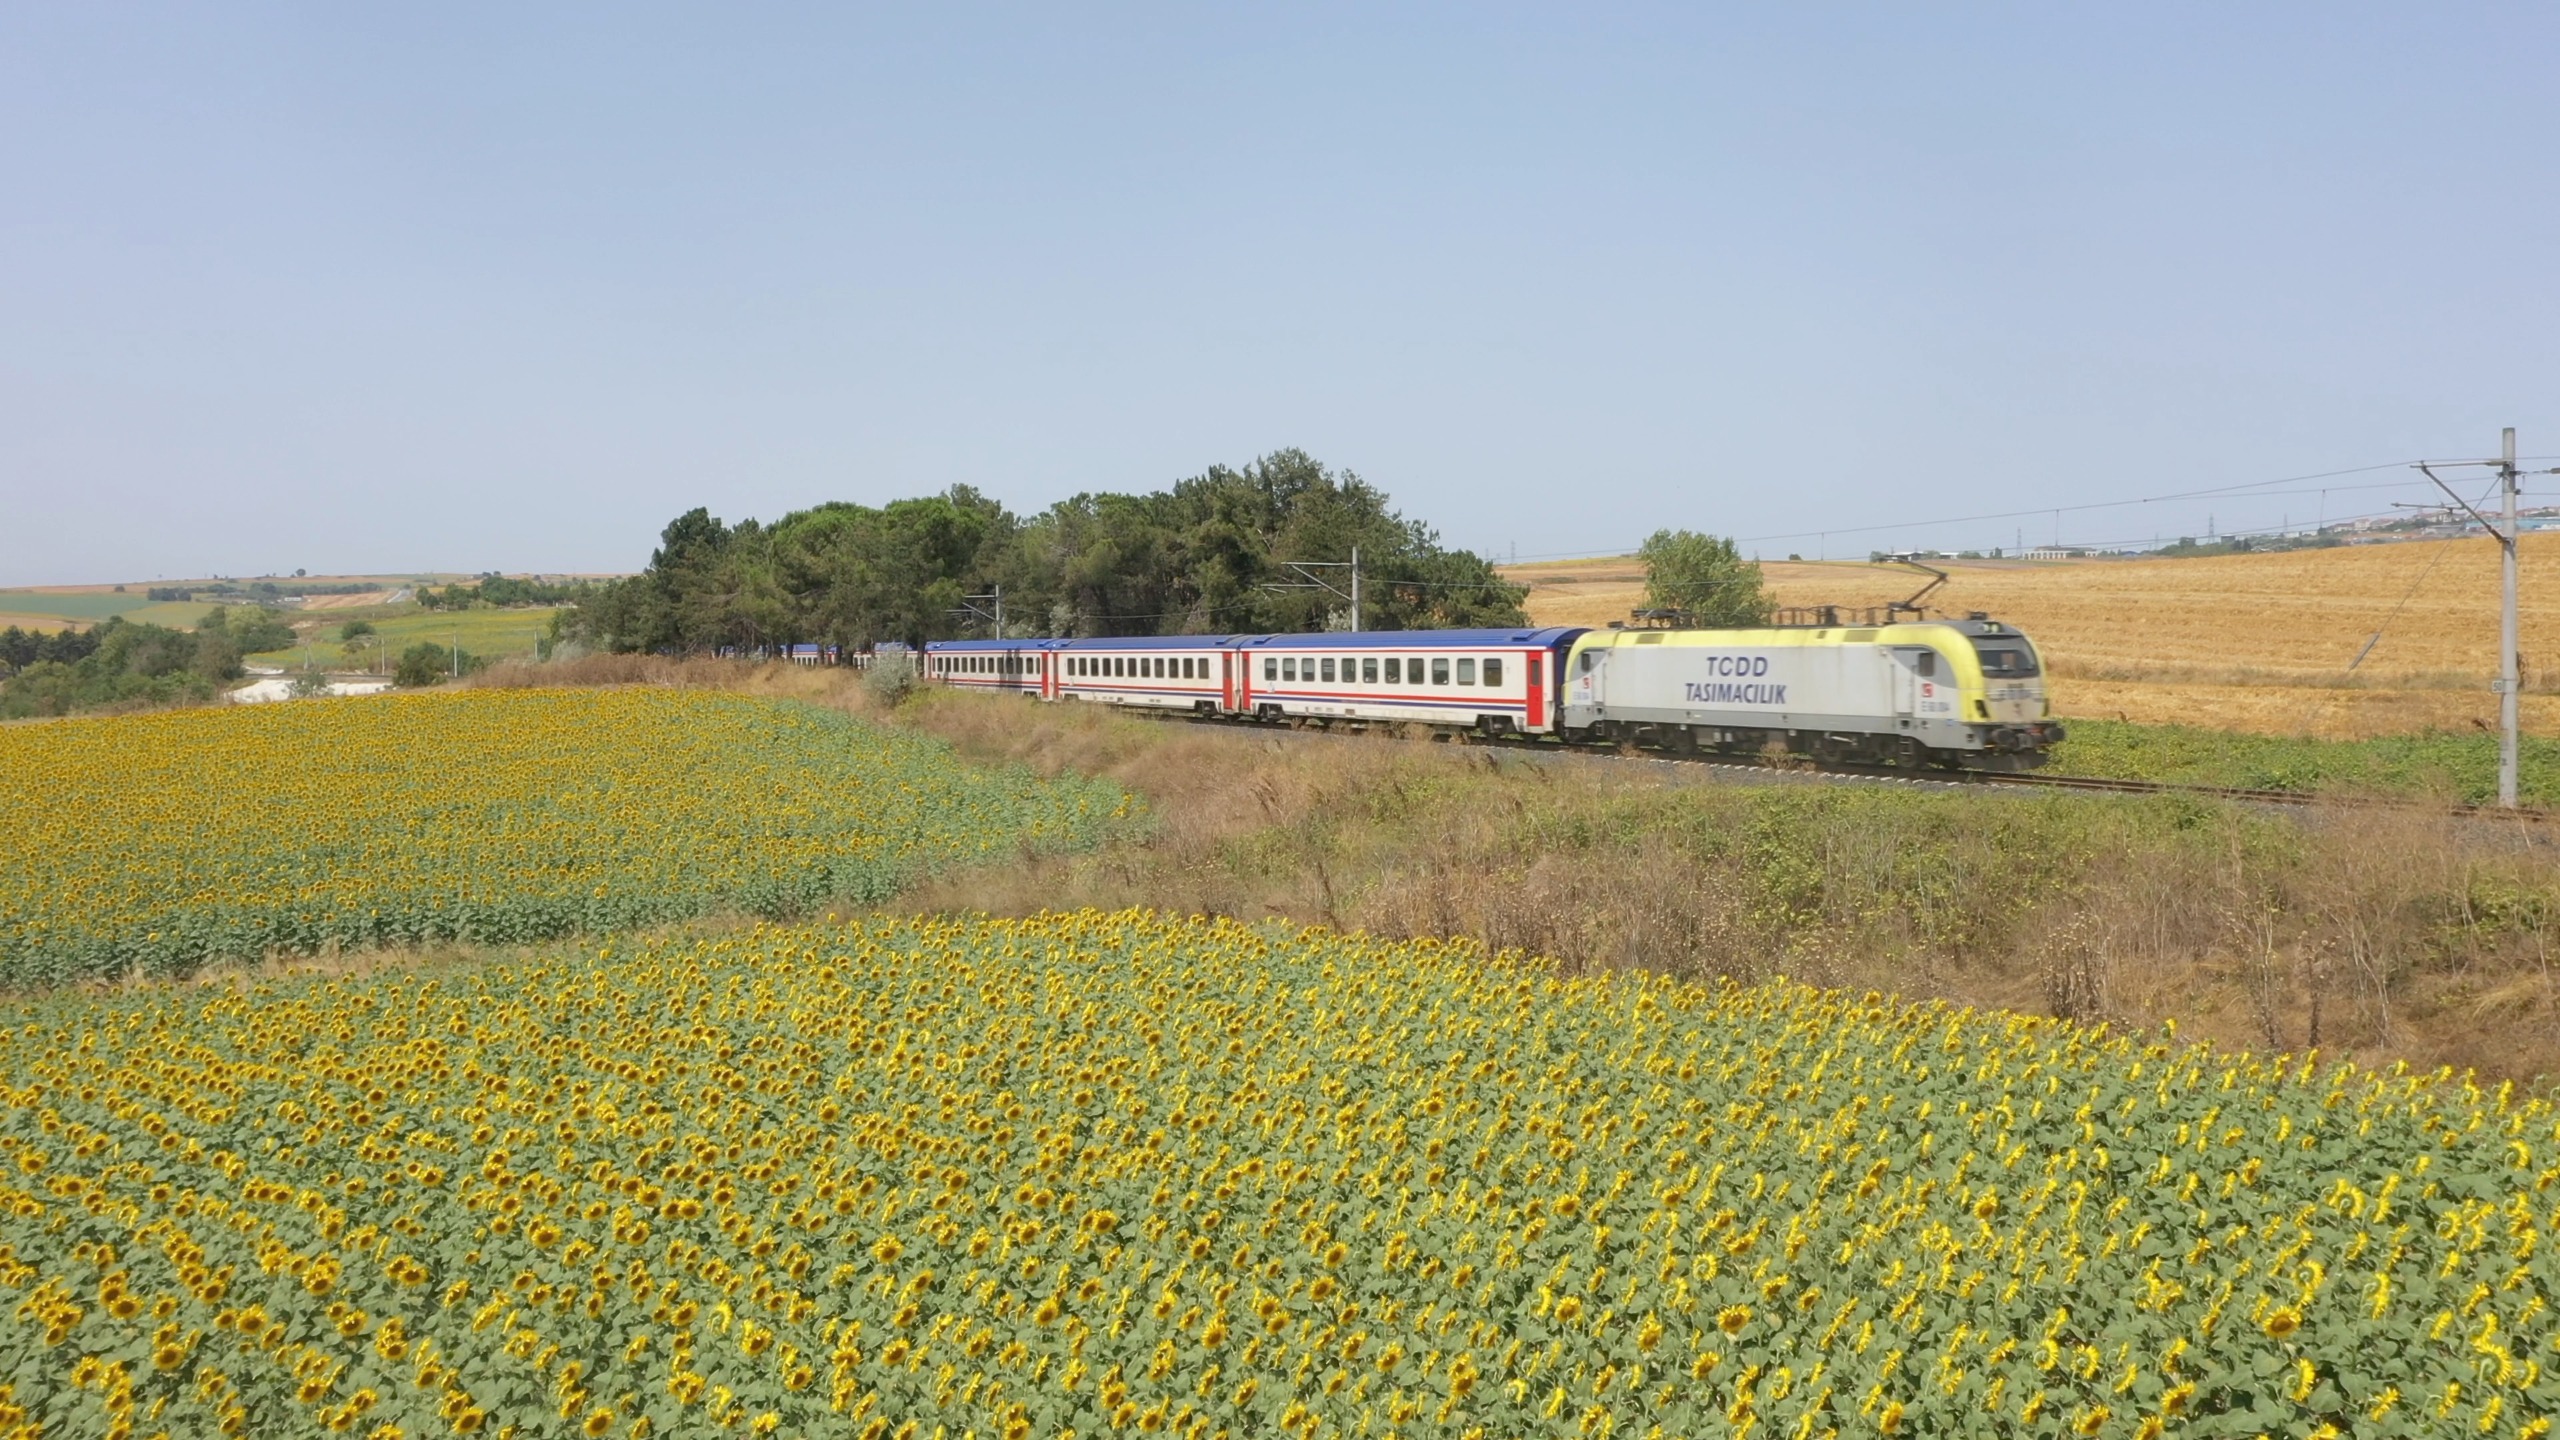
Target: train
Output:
[{"x": 1952, "y": 694}]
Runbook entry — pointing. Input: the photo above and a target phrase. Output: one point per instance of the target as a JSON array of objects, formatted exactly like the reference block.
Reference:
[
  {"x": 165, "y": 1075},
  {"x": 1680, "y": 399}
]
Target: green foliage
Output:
[
  {"x": 1704, "y": 578},
  {"x": 1199, "y": 558},
  {"x": 2460, "y": 767},
  {"x": 353, "y": 629},
  {"x": 249, "y": 629},
  {"x": 891, "y": 678},
  {"x": 428, "y": 663},
  {"x": 503, "y": 591},
  {"x": 120, "y": 664}
]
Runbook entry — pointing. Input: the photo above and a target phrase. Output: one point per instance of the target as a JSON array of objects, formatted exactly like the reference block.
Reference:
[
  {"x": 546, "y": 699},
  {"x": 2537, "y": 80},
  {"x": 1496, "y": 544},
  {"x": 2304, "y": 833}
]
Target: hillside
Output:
[{"x": 2251, "y": 642}]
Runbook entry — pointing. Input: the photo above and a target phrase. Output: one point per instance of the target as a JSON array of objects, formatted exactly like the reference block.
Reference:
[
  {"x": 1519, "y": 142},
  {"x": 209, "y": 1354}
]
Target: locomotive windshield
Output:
[{"x": 2005, "y": 659}]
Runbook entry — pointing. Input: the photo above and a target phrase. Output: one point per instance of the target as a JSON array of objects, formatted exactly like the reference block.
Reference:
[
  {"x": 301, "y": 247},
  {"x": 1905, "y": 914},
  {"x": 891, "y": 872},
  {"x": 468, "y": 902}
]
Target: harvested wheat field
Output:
[{"x": 2248, "y": 642}]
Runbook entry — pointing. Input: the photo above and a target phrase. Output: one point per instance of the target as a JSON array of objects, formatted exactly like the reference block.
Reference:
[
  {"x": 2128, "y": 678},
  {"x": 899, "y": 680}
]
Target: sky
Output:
[{"x": 468, "y": 287}]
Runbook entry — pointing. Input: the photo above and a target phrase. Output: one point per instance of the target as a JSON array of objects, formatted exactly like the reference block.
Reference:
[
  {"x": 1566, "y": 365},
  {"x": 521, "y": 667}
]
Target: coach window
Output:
[
  {"x": 1466, "y": 672},
  {"x": 1413, "y": 670},
  {"x": 1327, "y": 670},
  {"x": 1493, "y": 672},
  {"x": 1395, "y": 670},
  {"x": 1439, "y": 670},
  {"x": 1368, "y": 672},
  {"x": 1270, "y": 669}
]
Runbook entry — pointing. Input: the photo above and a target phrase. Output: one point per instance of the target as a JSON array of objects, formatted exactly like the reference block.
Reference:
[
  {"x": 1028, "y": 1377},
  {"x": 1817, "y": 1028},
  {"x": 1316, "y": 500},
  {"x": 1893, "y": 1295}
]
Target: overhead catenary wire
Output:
[{"x": 2253, "y": 489}]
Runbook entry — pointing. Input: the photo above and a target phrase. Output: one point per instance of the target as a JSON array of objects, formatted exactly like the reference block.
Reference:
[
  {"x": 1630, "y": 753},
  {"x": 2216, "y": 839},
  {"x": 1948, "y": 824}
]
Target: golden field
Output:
[{"x": 2246, "y": 642}]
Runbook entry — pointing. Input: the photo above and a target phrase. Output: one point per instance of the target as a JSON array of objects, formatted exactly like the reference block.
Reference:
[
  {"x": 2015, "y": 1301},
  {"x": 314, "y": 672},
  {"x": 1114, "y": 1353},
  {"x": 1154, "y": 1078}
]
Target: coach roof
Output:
[{"x": 1322, "y": 640}]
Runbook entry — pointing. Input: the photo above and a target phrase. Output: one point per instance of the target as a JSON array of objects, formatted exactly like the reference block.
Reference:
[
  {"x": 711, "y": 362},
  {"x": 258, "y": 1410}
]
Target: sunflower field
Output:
[
  {"x": 1100, "y": 1174},
  {"x": 160, "y": 842}
]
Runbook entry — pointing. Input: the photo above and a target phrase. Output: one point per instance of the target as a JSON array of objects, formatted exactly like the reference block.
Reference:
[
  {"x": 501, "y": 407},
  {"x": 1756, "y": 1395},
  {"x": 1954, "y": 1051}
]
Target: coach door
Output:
[
  {"x": 1228, "y": 697},
  {"x": 1048, "y": 676}
]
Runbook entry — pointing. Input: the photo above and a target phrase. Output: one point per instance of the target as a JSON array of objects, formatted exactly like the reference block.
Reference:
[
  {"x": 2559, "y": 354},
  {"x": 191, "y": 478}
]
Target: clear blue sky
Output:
[{"x": 465, "y": 287}]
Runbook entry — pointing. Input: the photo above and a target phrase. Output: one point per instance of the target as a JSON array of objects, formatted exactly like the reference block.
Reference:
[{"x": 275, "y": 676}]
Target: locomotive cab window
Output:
[
  {"x": 2006, "y": 661},
  {"x": 1493, "y": 672},
  {"x": 1928, "y": 663},
  {"x": 1466, "y": 672}
]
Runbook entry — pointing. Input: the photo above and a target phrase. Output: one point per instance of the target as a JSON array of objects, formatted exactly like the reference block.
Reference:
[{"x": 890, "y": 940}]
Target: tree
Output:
[
  {"x": 423, "y": 664},
  {"x": 354, "y": 628},
  {"x": 1199, "y": 558},
  {"x": 1705, "y": 578}
]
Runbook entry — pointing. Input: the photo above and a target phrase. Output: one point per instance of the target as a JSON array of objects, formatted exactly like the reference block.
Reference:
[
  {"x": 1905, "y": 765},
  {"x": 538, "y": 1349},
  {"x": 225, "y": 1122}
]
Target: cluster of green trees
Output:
[
  {"x": 500, "y": 590},
  {"x": 121, "y": 663},
  {"x": 1209, "y": 555},
  {"x": 1695, "y": 579}
]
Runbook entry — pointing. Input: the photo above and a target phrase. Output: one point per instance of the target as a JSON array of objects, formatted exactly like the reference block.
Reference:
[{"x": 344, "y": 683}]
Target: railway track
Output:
[{"x": 1753, "y": 770}]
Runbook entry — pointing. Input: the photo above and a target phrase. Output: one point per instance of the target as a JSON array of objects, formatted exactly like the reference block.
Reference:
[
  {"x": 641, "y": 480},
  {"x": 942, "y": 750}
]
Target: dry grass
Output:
[
  {"x": 2384, "y": 934},
  {"x": 2249, "y": 642}
]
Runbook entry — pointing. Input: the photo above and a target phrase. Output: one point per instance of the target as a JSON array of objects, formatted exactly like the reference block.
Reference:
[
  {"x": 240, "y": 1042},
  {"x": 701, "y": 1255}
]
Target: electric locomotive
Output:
[{"x": 1957, "y": 693}]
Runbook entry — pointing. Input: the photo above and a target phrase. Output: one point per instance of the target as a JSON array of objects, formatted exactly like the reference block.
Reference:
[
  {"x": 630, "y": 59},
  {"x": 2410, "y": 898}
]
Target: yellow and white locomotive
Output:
[{"x": 1965, "y": 693}]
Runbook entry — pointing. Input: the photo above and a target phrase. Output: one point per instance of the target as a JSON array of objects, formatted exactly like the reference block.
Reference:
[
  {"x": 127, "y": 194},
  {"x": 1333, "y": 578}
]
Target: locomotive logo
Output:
[{"x": 1726, "y": 692}]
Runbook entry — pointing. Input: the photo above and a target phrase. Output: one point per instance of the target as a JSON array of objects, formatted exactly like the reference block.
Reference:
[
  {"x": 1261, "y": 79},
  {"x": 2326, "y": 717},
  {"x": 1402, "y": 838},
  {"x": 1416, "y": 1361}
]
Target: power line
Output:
[{"x": 2253, "y": 489}]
